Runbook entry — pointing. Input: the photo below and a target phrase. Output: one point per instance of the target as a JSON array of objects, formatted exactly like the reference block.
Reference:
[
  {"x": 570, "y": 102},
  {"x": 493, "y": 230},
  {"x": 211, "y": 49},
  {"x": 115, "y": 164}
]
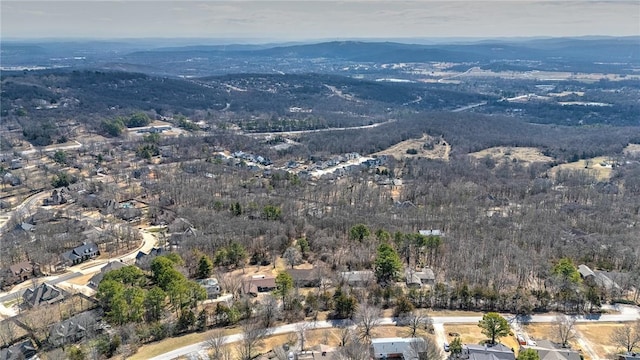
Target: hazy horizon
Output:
[{"x": 306, "y": 21}]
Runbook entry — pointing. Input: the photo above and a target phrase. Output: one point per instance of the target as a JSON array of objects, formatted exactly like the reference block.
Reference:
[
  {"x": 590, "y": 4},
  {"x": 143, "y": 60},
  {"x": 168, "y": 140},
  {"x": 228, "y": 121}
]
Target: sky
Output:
[{"x": 322, "y": 19}]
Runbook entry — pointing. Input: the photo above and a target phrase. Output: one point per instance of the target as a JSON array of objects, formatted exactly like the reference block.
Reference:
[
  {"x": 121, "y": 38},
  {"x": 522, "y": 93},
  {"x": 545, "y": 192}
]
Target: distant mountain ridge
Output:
[{"x": 554, "y": 54}]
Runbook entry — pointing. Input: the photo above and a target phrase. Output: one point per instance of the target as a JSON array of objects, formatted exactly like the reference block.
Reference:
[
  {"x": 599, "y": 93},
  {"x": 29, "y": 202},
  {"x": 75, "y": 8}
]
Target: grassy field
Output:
[
  {"x": 166, "y": 345},
  {"x": 441, "y": 149},
  {"x": 598, "y": 167},
  {"x": 472, "y": 334},
  {"x": 82, "y": 280},
  {"x": 599, "y": 336},
  {"x": 523, "y": 155},
  {"x": 632, "y": 149}
]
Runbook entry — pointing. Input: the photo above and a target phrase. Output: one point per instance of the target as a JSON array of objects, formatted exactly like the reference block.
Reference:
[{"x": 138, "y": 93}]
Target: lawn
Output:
[
  {"x": 538, "y": 331},
  {"x": 524, "y": 155},
  {"x": 472, "y": 334},
  {"x": 599, "y": 335},
  {"x": 440, "y": 149},
  {"x": 593, "y": 166},
  {"x": 157, "y": 348}
]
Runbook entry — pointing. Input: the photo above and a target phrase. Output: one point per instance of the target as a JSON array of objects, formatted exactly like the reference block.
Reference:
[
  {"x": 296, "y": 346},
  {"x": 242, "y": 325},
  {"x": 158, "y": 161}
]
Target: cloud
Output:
[{"x": 309, "y": 19}]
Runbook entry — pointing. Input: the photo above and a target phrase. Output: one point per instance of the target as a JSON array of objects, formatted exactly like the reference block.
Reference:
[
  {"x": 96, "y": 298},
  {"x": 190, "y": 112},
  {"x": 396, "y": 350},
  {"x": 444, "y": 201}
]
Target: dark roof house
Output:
[
  {"x": 81, "y": 253},
  {"x": 20, "y": 272},
  {"x": 258, "y": 283},
  {"x": 19, "y": 351},
  {"x": 305, "y": 277},
  {"x": 485, "y": 352},
  {"x": 548, "y": 350},
  {"x": 42, "y": 295},
  {"x": 629, "y": 356},
  {"x": 113, "y": 265},
  {"x": 143, "y": 260},
  {"x": 74, "y": 329}
]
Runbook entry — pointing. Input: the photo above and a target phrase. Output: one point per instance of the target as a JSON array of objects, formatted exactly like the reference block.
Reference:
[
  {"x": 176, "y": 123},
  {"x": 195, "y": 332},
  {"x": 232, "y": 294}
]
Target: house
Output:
[
  {"x": 19, "y": 351},
  {"x": 305, "y": 277},
  {"x": 143, "y": 260},
  {"x": 20, "y": 272},
  {"x": 548, "y": 350},
  {"x": 25, "y": 226},
  {"x": 586, "y": 273},
  {"x": 609, "y": 279},
  {"x": 419, "y": 278},
  {"x": 431, "y": 232},
  {"x": 113, "y": 265},
  {"x": 16, "y": 164},
  {"x": 628, "y": 356},
  {"x": 212, "y": 287},
  {"x": 259, "y": 283},
  {"x": 80, "y": 254},
  {"x": 44, "y": 294},
  {"x": 9, "y": 178},
  {"x": 74, "y": 329},
  {"x": 357, "y": 278},
  {"x": 485, "y": 352},
  {"x": 396, "y": 348},
  {"x": 56, "y": 198}
]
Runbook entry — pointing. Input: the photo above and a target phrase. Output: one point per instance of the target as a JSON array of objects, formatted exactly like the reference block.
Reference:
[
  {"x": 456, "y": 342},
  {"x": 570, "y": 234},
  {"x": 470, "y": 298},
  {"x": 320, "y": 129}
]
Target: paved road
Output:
[
  {"x": 24, "y": 208},
  {"x": 627, "y": 313},
  {"x": 87, "y": 267},
  {"x": 52, "y": 148}
]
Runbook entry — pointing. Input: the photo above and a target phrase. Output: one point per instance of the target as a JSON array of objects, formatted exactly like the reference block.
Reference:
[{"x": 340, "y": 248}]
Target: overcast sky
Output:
[{"x": 307, "y": 20}]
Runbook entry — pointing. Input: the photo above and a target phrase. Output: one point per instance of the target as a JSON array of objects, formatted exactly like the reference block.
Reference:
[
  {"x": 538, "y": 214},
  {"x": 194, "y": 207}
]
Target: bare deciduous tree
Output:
[
  {"x": 269, "y": 311},
  {"x": 253, "y": 334},
  {"x": 301, "y": 330},
  {"x": 345, "y": 335},
  {"x": 564, "y": 329},
  {"x": 292, "y": 255},
  {"x": 425, "y": 348},
  {"x": 417, "y": 319},
  {"x": 7, "y": 332},
  {"x": 354, "y": 349},
  {"x": 216, "y": 346},
  {"x": 627, "y": 336},
  {"x": 367, "y": 318}
]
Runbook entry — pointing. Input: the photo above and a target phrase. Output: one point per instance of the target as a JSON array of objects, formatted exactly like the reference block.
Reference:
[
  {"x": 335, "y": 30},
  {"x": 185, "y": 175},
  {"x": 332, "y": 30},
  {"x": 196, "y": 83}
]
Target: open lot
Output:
[
  {"x": 600, "y": 167},
  {"x": 599, "y": 336},
  {"x": 632, "y": 150},
  {"x": 523, "y": 155},
  {"x": 426, "y": 147}
]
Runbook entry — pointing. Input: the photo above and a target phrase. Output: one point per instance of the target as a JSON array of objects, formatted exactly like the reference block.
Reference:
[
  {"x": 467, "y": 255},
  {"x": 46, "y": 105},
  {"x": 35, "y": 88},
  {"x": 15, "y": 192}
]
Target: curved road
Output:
[
  {"x": 87, "y": 267},
  {"x": 627, "y": 314}
]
